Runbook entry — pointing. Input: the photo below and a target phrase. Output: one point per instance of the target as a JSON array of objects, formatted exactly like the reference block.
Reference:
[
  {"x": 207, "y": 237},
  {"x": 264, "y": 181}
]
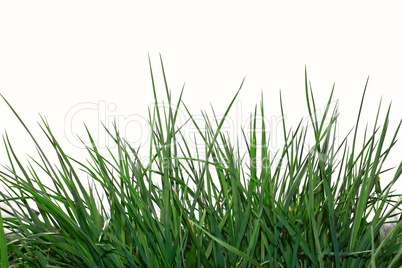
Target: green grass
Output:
[{"x": 303, "y": 207}]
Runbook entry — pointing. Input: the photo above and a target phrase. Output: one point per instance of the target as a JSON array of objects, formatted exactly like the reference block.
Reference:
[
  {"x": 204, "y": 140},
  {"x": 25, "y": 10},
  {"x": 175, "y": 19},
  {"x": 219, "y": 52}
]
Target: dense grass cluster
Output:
[{"x": 317, "y": 207}]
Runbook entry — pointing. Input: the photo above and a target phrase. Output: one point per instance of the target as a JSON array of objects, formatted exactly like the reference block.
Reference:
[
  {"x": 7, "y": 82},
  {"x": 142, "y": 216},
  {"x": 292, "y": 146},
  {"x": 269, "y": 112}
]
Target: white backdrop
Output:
[{"x": 85, "y": 61}]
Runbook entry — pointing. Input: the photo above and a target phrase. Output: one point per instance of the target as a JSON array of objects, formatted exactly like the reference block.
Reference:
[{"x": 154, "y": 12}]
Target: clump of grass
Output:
[{"x": 320, "y": 207}]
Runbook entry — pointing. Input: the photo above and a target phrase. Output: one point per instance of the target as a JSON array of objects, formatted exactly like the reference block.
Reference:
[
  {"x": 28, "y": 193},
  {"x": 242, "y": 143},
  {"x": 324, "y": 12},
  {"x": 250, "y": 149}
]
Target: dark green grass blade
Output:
[{"x": 3, "y": 245}]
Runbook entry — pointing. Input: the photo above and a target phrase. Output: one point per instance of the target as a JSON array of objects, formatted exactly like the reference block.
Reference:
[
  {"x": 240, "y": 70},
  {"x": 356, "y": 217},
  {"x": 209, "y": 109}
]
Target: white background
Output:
[{"x": 57, "y": 57}]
